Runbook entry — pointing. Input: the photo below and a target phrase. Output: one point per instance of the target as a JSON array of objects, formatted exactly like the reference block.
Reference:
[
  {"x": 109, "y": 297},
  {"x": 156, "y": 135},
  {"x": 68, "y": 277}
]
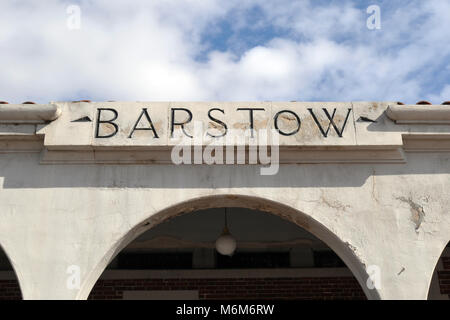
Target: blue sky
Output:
[{"x": 173, "y": 50}]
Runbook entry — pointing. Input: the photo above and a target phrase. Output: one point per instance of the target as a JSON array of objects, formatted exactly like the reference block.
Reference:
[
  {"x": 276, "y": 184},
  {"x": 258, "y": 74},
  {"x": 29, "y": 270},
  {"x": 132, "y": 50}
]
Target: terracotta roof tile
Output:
[{"x": 423, "y": 102}]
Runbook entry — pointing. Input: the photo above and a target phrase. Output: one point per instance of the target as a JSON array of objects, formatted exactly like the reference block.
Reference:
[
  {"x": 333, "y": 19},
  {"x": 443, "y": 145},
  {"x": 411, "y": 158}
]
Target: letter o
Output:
[{"x": 299, "y": 123}]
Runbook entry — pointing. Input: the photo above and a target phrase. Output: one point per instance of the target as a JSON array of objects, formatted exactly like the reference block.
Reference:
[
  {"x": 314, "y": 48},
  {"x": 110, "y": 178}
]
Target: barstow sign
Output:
[
  {"x": 150, "y": 132},
  {"x": 283, "y": 118},
  {"x": 165, "y": 124}
]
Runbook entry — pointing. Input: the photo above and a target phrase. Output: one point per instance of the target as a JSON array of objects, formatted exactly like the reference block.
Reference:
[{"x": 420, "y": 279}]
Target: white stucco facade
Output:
[{"x": 378, "y": 196}]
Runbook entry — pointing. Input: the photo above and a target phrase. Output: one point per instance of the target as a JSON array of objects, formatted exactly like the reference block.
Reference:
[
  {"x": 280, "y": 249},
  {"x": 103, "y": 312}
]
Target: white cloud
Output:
[{"x": 148, "y": 50}]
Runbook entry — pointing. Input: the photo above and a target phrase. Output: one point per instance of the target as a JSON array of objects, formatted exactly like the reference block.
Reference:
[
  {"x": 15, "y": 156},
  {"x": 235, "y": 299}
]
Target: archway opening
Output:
[
  {"x": 440, "y": 283},
  {"x": 9, "y": 285},
  {"x": 274, "y": 259}
]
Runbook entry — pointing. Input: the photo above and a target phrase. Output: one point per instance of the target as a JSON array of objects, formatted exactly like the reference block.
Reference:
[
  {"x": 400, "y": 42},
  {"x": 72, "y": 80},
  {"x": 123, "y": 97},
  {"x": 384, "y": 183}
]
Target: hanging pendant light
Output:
[{"x": 226, "y": 243}]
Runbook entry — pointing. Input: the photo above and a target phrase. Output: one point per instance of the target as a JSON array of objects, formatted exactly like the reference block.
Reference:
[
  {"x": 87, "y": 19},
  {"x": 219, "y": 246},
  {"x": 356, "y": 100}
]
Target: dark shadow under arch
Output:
[
  {"x": 342, "y": 249},
  {"x": 9, "y": 283},
  {"x": 438, "y": 288}
]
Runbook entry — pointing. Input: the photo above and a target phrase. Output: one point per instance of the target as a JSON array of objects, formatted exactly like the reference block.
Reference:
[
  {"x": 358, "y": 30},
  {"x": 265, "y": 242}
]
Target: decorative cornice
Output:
[
  {"x": 77, "y": 133},
  {"x": 419, "y": 114},
  {"x": 28, "y": 113}
]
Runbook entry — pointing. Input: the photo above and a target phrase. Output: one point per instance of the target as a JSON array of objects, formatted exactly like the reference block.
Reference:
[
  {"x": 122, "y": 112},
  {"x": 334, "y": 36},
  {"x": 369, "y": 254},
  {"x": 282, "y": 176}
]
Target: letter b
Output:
[{"x": 110, "y": 122}]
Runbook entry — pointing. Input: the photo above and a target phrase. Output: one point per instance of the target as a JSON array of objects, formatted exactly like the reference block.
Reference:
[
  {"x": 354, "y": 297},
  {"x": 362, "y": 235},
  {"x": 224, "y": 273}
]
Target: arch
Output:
[
  {"x": 14, "y": 269},
  {"x": 283, "y": 211}
]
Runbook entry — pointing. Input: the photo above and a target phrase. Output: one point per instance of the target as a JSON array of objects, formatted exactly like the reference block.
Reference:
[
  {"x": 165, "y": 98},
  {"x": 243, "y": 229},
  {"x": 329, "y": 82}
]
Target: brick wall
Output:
[
  {"x": 9, "y": 290},
  {"x": 282, "y": 288},
  {"x": 444, "y": 276}
]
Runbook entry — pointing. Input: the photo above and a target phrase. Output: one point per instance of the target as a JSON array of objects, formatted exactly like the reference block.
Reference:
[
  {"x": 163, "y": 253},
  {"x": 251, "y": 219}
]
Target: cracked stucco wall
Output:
[{"x": 393, "y": 216}]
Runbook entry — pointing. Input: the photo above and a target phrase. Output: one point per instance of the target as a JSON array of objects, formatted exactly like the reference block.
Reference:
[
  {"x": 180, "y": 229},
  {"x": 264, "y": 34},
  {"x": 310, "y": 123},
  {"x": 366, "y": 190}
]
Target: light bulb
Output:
[{"x": 226, "y": 244}]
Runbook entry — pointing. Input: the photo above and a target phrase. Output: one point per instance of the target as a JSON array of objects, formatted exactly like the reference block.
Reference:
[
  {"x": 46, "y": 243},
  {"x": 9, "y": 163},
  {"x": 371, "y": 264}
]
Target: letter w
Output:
[{"x": 331, "y": 123}]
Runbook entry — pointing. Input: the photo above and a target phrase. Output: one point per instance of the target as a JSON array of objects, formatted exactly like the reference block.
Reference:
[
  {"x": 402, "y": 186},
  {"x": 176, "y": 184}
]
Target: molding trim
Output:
[
  {"x": 426, "y": 142},
  {"x": 288, "y": 155},
  {"x": 226, "y": 273},
  {"x": 419, "y": 114},
  {"x": 29, "y": 113}
]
